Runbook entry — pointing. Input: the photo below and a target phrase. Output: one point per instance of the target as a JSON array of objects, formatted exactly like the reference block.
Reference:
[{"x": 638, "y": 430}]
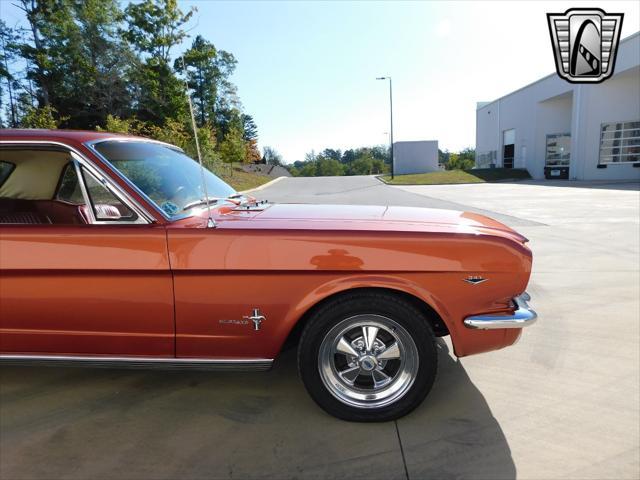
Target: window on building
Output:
[
  {"x": 508, "y": 148},
  {"x": 620, "y": 142},
  {"x": 558, "y": 150}
]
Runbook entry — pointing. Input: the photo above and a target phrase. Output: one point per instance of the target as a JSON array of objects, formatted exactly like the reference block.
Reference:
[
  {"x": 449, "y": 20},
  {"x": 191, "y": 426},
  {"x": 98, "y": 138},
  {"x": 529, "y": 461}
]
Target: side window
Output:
[
  {"x": 106, "y": 206},
  {"x": 46, "y": 186},
  {"x": 5, "y": 170},
  {"x": 69, "y": 189},
  {"x": 29, "y": 181}
]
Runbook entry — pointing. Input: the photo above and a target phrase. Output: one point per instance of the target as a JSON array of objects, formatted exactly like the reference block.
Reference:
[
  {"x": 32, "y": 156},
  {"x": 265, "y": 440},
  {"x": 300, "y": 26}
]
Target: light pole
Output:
[{"x": 391, "y": 119}]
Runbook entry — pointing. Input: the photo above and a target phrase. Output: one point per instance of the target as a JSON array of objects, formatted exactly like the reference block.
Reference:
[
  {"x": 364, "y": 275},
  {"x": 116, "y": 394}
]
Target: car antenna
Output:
[{"x": 210, "y": 221}]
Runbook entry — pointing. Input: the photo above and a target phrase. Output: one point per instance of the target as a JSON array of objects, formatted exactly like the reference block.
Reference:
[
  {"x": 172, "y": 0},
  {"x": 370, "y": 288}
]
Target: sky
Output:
[{"x": 307, "y": 70}]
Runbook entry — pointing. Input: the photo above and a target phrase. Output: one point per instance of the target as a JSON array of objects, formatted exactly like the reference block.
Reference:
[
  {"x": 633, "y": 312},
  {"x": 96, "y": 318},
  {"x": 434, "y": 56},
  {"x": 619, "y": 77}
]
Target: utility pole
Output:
[{"x": 391, "y": 122}]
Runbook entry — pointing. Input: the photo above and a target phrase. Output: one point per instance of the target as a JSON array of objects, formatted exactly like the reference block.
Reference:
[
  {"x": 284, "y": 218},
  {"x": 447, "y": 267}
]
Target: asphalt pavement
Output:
[{"x": 561, "y": 404}]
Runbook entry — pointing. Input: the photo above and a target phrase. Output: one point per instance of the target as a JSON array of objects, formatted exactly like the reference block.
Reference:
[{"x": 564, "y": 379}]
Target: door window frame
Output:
[{"x": 80, "y": 161}]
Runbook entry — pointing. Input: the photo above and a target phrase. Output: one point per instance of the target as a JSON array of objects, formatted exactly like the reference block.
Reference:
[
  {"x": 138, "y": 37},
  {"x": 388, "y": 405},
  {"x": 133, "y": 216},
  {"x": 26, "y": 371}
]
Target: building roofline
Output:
[{"x": 486, "y": 104}]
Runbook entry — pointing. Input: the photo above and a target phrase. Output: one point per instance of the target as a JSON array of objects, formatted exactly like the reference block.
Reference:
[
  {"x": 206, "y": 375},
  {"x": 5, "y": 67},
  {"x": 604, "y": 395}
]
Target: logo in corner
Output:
[{"x": 585, "y": 43}]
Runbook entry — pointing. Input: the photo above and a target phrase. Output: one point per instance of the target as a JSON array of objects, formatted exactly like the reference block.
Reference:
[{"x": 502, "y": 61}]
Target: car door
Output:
[{"x": 83, "y": 270}]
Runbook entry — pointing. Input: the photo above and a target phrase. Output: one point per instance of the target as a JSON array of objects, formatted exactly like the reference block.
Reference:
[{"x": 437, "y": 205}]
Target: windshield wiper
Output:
[{"x": 202, "y": 201}]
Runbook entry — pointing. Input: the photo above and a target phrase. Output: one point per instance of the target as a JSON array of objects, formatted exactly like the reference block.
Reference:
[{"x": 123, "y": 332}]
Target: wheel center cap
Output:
[{"x": 368, "y": 363}]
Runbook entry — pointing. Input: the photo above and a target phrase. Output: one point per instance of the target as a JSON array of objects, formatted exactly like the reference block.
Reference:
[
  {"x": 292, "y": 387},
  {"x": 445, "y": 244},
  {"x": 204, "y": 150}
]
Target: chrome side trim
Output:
[
  {"x": 522, "y": 317},
  {"x": 242, "y": 364}
]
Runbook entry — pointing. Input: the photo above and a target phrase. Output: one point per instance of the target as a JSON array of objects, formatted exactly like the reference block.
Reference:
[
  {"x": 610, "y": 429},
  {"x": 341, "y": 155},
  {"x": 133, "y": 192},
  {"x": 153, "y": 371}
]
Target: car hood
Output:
[{"x": 364, "y": 218}]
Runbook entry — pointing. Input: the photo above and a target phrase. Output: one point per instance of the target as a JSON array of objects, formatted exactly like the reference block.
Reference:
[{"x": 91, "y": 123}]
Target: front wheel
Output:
[{"x": 368, "y": 357}]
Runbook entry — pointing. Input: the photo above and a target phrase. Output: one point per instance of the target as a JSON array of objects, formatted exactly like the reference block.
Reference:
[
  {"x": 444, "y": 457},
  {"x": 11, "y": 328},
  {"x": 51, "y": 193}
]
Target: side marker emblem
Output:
[{"x": 475, "y": 279}]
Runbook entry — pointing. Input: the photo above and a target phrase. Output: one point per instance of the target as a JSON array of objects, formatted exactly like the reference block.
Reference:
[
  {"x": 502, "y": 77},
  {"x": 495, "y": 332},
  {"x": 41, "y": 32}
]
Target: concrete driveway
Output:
[{"x": 563, "y": 403}]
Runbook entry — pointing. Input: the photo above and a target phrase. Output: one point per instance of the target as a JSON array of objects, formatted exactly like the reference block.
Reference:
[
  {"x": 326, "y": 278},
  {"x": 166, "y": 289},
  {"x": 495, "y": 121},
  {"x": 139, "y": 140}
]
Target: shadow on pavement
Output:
[
  {"x": 453, "y": 434},
  {"x": 83, "y": 423}
]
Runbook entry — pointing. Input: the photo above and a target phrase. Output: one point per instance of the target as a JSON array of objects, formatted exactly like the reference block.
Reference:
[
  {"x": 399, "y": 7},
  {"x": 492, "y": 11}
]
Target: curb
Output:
[
  {"x": 264, "y": 185},
  {"x": 504, "y": 180}
]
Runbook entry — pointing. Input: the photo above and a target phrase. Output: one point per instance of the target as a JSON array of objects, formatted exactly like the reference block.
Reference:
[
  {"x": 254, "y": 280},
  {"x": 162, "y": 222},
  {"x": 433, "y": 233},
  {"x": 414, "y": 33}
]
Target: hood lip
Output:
[
  {"x": 237, "y": 218},
  {"x": 245, "y": 219}
]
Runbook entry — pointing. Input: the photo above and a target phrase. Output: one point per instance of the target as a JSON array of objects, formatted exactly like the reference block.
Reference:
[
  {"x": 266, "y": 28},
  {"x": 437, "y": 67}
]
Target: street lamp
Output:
[{"x": 391, "y": 118}]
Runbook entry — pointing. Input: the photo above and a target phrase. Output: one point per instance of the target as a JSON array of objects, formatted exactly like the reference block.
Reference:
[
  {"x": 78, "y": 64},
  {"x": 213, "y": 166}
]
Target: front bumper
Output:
[{"x": 522, "y": 317}]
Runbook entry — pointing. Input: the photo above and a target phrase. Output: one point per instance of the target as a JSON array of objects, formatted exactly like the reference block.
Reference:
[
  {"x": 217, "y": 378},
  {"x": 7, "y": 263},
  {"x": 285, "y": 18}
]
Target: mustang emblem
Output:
[
  {"x": 233, "y": 322},
  {"x": 475, "y": 279},
  {"x": 257, "y": 318}
]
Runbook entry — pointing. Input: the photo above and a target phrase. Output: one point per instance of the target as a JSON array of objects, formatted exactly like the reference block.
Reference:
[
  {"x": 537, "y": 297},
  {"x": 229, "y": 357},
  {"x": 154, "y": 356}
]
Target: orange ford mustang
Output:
[{"x": 120, "y": 251}]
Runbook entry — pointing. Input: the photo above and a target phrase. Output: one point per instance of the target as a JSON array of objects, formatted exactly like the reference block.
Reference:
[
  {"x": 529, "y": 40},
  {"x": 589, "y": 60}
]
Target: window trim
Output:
[
  {"x": 620, "y": 155},
  {"x": 83, "y": 172},
  {"x": 56, "y": 193},
  {"x": 143, "y": 217},
  {"x": 13, "y": 167}
]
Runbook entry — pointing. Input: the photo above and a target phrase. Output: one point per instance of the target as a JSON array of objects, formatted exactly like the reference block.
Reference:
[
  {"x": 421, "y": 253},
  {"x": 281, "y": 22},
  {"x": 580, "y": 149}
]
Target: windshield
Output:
[{"x": 167, "y": 176}]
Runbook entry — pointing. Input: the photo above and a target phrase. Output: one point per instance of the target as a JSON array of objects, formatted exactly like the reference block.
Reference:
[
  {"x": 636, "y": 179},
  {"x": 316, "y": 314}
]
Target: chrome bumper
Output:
[{"x": 522, "y": 317}]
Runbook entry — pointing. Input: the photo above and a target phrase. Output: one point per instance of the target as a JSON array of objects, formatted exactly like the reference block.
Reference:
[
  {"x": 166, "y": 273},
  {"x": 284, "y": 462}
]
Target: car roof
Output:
[{"x": 79, "y": 136}]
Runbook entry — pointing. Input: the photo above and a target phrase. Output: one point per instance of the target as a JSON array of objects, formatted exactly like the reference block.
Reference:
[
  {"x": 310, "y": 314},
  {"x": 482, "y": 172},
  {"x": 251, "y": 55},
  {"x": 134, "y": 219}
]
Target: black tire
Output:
[{"x": 338, "y": 311}]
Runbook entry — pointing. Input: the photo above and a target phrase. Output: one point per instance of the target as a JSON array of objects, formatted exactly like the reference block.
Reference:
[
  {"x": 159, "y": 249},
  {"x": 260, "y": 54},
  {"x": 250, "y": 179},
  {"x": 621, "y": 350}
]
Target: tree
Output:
[
  {"x": 232, "y": 148},
  {"x": 331, "y": 153},
  {"x": 227, "y": 101},
  {"x": 443, "y": 157},
  {"x": 249, "y": 127},
  {"x": 362, "y": 165},
  {"x": 154, "y": 28},
  {"x": 42, "y": 117},
  {"x": 35, "y": 52},
  {"x": 207, "y": 72},
  {"x": 379, "y": 166},
  {"x": 308, "y": 170},
  {"x": 271, "y": 156},
  {"x": 457, "y": 163},
  {"x": 367, "y": 164},
  {"x": 468, "y": 154},
  {"x": 8, "y": 41},
  {"x": 76, "y": 59},
  {"x": 465, "y": 160},
  {"x": 89, "y": 64},
  {"x": 329, "y": 167},
  {"x": 380, "y": 152},
  {"x": 102, "y": 62},
  {"x": 252, "y": 153},
  {"x": 348, "y": 156}
]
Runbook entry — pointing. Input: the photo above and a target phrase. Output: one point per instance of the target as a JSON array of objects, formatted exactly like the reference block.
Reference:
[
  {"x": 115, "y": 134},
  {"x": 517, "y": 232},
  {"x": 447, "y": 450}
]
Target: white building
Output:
[
  {"x": 415, "y": 157},
  {"x": 556, "y": 129}
]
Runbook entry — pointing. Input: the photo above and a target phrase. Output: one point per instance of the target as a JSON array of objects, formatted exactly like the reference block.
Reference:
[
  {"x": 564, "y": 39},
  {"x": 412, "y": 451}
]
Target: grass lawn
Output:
[
  {"x": 241, "y": 180},
  {"x": 481, "y": 175}
]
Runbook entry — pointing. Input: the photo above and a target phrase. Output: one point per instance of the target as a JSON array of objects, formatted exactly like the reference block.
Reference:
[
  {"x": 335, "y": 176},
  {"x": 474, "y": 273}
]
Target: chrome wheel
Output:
[{"x": 368, "y": 361}]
